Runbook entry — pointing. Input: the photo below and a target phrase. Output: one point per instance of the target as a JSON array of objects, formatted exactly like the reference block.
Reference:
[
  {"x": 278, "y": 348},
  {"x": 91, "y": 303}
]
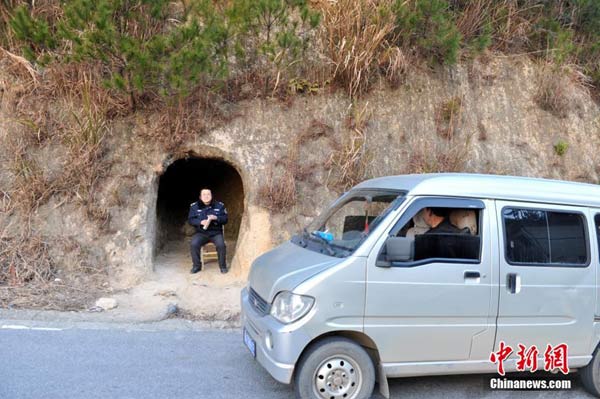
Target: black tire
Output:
[
  {"x": 590, "y": 374},
  {"x": 340, "y": 360}
]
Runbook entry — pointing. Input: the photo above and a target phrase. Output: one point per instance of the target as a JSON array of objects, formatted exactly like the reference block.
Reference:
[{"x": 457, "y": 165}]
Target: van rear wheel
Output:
[
  {"x": 590, "y": 374},
  {"x": 335, "y": 368}
]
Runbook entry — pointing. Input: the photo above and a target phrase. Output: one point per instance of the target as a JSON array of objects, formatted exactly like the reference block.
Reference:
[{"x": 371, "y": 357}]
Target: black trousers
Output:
[{"x": 200, "y": 239}]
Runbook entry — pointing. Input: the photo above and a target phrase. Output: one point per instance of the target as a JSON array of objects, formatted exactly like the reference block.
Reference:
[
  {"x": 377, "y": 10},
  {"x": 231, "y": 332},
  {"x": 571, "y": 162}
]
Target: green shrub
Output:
[
  {"x": 174, "y": 48},
  {"x": 587, "y": 16},
  {"x": 451, "y": 108},
  {"x": 561, "y": 147},
  {"x": 483, "y": 40},
  {"x": 556, "y": 39},
  {"x": 429, "y": 25},
  {"x": 275, "y": 32},
  {"x": 35, "y": 33},
  {"x": 144, "y": 48}
]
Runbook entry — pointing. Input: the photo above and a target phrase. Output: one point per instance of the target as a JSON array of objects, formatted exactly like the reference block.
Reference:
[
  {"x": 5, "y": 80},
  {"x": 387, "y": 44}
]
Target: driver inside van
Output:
[{"x": 439, "y": 222}]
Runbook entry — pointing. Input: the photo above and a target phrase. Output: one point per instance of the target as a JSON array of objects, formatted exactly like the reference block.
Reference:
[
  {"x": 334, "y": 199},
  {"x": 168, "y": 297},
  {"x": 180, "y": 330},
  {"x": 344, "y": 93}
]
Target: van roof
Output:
[{"x": 491, "y": 186}]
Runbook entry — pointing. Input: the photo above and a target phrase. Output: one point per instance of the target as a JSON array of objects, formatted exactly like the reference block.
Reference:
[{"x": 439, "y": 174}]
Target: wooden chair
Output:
[{"x": 208, "y": 252}]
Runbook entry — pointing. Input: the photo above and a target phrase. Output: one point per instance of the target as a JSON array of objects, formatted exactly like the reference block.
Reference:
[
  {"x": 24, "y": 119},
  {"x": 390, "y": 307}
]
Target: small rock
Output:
[
  {"x": 57, "y": 280},
  {"x": 172, "y": 309},
  {"x": 166, "y": 293},
  {"x": 106, "y": 303},
  {"x": 95, "y": 309}
]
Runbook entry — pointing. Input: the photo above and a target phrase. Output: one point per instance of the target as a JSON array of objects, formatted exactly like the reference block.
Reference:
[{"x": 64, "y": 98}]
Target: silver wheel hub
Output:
[{"x": 337, "y": 377}]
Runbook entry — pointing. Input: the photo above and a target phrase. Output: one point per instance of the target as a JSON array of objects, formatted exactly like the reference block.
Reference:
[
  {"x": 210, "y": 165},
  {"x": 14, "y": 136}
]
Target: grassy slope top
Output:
[{"x": 171, "y": 49}]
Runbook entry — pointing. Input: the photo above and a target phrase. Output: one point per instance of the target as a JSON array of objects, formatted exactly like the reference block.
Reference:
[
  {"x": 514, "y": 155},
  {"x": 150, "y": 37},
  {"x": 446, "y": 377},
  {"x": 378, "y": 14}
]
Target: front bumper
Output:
[{"x": 287, "y": 343}]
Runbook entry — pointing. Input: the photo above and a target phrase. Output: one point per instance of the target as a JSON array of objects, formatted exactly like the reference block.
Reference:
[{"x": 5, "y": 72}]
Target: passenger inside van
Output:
[
  {"x": 444, "y": 233},
  {"x": 439, "y": 222}
]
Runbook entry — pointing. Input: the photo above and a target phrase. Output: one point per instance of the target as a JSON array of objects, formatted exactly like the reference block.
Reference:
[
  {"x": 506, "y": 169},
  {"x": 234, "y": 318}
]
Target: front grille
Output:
[{"x": 259, "y": 304}]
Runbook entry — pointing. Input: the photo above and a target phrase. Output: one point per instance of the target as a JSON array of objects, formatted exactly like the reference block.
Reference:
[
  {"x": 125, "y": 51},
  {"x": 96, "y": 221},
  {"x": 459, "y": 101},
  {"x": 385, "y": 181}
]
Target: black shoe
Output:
[
  {"x": 195, "y": 269},
  {"x": 224, "y": 271}
]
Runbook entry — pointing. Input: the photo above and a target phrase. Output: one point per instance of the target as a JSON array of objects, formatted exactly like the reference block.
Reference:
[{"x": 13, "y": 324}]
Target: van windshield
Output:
[{"x": 348, "y": 221}]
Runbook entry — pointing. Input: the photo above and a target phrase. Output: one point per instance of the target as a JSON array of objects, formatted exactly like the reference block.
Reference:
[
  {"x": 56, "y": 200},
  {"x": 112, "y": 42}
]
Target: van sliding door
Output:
[{"x": 547, "y": 278}]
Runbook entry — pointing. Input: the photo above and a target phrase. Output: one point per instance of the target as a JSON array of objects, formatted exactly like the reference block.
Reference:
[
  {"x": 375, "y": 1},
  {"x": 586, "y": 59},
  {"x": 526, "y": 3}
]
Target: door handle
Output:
[
  {"x": 472, "y": 274},
  {"x": 513, "y": 283},
  {"x": 472, "y": 277}
]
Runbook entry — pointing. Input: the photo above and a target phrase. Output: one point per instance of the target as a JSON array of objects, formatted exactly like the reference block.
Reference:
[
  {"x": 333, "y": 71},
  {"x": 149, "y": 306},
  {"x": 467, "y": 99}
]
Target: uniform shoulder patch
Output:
[{"x": 193, "y": 203}]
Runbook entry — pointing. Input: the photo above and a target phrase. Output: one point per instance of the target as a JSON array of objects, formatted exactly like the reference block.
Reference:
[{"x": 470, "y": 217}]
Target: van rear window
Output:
[{"x": 539, "y": 237}]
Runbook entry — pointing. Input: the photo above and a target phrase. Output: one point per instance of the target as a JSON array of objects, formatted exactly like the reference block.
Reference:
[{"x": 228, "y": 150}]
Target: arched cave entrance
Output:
[{"x": 180, "y": 186}]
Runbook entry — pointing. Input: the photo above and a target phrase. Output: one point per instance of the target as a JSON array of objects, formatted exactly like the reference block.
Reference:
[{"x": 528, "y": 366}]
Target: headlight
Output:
[{"x": 288, "y": 307}]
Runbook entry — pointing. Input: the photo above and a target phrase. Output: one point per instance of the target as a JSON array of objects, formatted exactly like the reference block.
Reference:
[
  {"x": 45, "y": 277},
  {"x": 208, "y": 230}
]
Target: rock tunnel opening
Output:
[{"x": 180, "y": 186}]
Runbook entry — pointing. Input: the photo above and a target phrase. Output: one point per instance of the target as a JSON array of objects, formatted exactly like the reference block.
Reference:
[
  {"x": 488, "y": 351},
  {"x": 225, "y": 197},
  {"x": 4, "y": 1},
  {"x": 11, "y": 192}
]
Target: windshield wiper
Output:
[{"x": 327, "y": 245}]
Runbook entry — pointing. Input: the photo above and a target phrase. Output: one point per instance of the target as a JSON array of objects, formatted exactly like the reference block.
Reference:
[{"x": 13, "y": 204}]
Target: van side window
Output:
[
  {"x": 455, "y": 234},
  {"x": 539, "y": 237}
]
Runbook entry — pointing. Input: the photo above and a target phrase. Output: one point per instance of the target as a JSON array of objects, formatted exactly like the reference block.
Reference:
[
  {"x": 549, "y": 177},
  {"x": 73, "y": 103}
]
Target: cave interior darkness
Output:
[{"x": 180, "y": 186}]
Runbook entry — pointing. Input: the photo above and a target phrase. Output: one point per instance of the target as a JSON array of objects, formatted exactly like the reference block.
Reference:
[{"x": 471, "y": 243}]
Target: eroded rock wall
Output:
[{"x": 483, "y": 117}]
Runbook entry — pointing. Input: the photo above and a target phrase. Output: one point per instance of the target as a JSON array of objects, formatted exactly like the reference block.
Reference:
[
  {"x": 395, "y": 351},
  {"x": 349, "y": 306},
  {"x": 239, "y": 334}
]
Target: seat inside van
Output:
[
  {"x": 464, "y": 218},
  {"x": 354, "y": 226}
]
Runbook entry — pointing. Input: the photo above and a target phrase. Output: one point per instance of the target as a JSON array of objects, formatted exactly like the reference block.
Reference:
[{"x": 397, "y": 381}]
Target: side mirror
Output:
[{"x": 400, "y": 249}]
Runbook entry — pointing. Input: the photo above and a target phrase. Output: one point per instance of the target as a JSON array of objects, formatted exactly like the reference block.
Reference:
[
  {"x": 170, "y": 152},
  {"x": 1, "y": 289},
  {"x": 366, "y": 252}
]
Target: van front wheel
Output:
[
  {"x": 335, "y": 368},
  {"x": 590, "y": 374}
]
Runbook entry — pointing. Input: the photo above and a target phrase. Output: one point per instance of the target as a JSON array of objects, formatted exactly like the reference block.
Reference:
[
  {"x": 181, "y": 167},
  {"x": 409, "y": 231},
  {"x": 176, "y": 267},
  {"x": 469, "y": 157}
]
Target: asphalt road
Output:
[{"x": 137, "y": 361}]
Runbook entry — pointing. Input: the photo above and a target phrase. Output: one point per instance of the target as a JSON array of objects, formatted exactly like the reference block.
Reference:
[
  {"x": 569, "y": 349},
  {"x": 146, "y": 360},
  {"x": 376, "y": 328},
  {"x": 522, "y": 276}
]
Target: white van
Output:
[{"x": 426, "y": 275}]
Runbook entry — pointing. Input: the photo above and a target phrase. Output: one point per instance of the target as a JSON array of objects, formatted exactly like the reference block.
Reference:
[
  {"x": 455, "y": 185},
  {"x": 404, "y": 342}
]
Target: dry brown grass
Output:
[
  {"x": 6, "y": 202},
  {"x": 64, "y": 112},
  {"x": 85, "y": 140},
  {"x": 6, "y": 36},
  {"x": 17, "y": 65},
  {"x": 429, "y": 156},
  {"x": 31, "y": 187},
  {"x": 512, "y": 22},
  {"x": 80, "y": 136},
  {"x": 362, "y": 40},
  {"x": 394, "y": 64},
  {"x": 279, "y": 191},
  {"x": 176, "y": 125},
  {"x": 25, "y": 259},
  {"x": 184, "y": 118},
  {"x": 39, "y": 271},
  {"x": 29, "y": 273},
  {"x": 474, "y": 17},
  {"x": 83, "y": 82},
  {"x": 516, "y": 23},
  {"x": 556, "y": 87},
  {"x": 356, "y": 38},
  {"x": 27, "y": 267},
  {"x": 78, "y": 83},
  {"x": 348, "y": 164},
  {"x": 86, "y": 165},
  {"x": 74, "y": 296},
  {"x": 449, "y": 117},
  {"x": 552, "y": 94}
]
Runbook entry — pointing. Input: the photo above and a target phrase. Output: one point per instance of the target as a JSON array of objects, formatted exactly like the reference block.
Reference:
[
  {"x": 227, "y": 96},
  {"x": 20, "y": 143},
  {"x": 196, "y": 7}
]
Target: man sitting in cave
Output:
[{"x": 208, "y": 217}]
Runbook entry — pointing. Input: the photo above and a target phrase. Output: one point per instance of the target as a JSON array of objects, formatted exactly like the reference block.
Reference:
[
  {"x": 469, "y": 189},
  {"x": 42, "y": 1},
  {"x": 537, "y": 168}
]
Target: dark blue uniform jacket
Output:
[{"x": 199, "y": 212}]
